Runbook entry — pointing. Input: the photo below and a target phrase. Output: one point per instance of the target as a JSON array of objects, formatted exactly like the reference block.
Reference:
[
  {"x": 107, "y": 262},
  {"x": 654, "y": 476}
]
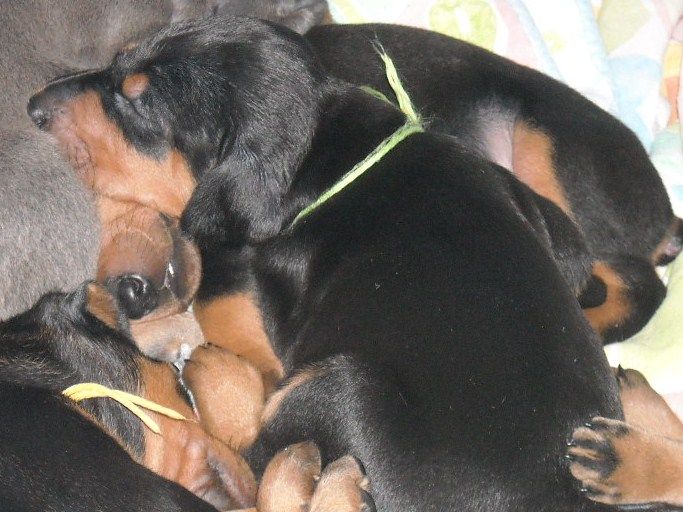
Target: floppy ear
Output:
[
  {"x": 234, "y": 204},
  {"x": 299, "y": 15}
]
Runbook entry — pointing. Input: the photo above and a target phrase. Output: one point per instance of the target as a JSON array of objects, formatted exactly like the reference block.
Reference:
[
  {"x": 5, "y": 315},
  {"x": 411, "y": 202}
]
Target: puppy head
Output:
[
  {"x": 229, "y": 103},
  {"x": 70, "y": 338},
  {"x": 299, "y": 15},
  {"x": 67, "y": 338},
  {"x": 152, "y": 267},
  {"x": 90, "y": 312},
  {"x": 154, "y": 272}
]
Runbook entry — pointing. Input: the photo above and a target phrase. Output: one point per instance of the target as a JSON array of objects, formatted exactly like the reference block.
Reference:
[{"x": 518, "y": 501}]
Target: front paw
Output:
[
  {"x": 187, "y": 455},
  {"x": 228, "y": 392},
  {"x": 343, "y": 487}
]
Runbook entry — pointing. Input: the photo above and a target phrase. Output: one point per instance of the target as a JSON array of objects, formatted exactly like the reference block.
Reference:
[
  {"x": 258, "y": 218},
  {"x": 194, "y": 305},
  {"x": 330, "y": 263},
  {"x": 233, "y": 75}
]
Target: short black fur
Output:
[
  {"x": 435, "y": 297},
  {"x": 51, "y": 456}
]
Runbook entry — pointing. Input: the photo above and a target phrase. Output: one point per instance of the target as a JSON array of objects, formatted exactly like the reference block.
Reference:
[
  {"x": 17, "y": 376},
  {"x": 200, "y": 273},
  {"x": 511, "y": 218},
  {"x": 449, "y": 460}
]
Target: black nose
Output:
[
  {"x": 41, "y": 109},
  {"x": 48, "y": 103},
  {"x": 137, "y": 295}
]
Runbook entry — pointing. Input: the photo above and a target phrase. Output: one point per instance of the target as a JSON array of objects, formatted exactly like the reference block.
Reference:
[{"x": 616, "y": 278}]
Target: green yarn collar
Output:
[{"x": 412, "y": 125}]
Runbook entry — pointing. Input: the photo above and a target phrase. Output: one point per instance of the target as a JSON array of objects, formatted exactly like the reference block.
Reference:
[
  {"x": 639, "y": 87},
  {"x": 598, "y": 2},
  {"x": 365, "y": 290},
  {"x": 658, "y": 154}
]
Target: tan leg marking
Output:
[
  {"x": 186, "y": 453},
  {"x": 234, "y": 322},
  {"x": 532, "y": 163},
  {"x": 645, "y": 408},
  {"x": 343, "y": 487},
  {"x": 111, "y": 166},
  {"x": 229, "y": 394},
  {"x": 616, "y": 307},
  {"x": 293, "y": 482}
]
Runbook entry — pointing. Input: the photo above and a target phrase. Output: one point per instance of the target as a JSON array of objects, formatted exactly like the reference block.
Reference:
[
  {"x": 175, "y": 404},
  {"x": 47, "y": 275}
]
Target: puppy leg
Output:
[
  {"x": 645, "y": 408},
  {"x": 228, "y": 392},
  {"x": 293, "y": 481},
  {"x": 289, "y": 480},
  {"x": 234, "y": 322},
  {"x": 186, "y": 454},
  {"x": 618, "y": 464}
]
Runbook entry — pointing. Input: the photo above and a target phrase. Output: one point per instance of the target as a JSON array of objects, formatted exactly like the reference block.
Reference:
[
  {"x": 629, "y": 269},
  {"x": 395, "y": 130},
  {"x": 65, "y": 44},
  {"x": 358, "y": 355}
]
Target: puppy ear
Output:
[
  {"x": 233, "y": 205},
  {"x": 98, "y": 302},
  {"x": 299, "y": 15}
]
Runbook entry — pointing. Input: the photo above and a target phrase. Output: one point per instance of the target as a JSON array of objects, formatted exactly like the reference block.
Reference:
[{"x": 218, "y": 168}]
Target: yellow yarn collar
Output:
[{"x": 133, "y": 403}]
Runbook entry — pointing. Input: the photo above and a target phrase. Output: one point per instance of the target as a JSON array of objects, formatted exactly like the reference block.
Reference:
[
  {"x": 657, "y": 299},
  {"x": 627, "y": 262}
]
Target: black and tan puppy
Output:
[
  {"x": 419, "y": 314},
  {"x": 557, "y": 142},
  {"x": 59, "y": 455},
  {"x": 154, "y": 271},
  {"x": 553, "y": 139},
  {"x": 49, "y": 232}
]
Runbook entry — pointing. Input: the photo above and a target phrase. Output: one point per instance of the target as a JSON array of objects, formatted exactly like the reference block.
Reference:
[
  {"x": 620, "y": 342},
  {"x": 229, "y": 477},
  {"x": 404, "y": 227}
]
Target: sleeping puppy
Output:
[
  {"x": 636, "y": 462},
  {"x": 419, "y": 315},
  {"x": 53, "y": 450},
  {"x": 56, "y": 454},
  {"x": 534, "y": 126},
  {"x": 560, "y": 144},
  {"x": 49, "y": 234}
]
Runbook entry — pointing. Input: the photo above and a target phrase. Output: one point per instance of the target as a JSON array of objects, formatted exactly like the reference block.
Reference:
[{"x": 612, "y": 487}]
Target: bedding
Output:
[{"x": 626, "y": 56}]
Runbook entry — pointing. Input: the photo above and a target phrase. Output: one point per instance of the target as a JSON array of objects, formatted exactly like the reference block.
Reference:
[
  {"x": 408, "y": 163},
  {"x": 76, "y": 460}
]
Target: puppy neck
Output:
[
  {"x": 351, "y": 125},
  {"x": 252, "y": 196}
]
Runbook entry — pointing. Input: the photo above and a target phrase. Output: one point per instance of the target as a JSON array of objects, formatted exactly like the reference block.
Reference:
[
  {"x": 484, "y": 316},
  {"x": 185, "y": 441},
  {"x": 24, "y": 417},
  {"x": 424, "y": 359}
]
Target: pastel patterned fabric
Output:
[{"x": 626, "y": 56}]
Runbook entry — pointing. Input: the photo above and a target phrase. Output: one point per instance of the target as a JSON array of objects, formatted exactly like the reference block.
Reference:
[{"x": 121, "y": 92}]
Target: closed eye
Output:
[{"x": 132, "y": 106}]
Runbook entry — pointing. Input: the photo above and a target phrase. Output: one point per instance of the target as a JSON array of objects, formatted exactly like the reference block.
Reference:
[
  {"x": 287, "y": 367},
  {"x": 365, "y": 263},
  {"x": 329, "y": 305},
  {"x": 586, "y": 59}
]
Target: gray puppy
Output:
[{"x": 49, "y": 233}]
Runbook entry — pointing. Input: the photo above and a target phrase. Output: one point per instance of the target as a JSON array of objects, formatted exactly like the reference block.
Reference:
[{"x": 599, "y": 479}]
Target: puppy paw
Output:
[
  {"x": 644, "y": 408},
  {"x": 289, "y": 479},
  {"x": 594, "y": 461},
  {"x": 343, "y": 487},
  {"x": 228, "y": 392},
  {"x": 628, "y": 379},
  {"x": 618, "y": 464},
  {"x": 293, "y": 482}
]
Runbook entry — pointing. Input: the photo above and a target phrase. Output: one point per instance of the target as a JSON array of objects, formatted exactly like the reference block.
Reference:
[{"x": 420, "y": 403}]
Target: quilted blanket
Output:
[{"x": 626, "y": 56}]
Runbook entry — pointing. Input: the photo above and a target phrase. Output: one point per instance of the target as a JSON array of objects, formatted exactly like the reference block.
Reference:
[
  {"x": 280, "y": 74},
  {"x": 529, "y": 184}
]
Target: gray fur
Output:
[{"x": 49, "y": 234}]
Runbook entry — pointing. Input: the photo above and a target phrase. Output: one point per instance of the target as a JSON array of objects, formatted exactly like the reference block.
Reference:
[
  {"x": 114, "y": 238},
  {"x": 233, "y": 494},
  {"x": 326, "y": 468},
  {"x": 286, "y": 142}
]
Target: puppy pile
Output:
[{"x": 427, "y": 335}]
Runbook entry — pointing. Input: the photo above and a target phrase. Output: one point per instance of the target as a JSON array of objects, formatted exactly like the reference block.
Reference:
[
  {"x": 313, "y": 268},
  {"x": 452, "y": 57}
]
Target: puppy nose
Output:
[
  {"x": 40, "y": 109},
  {"x": 137, "y": 296}
]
